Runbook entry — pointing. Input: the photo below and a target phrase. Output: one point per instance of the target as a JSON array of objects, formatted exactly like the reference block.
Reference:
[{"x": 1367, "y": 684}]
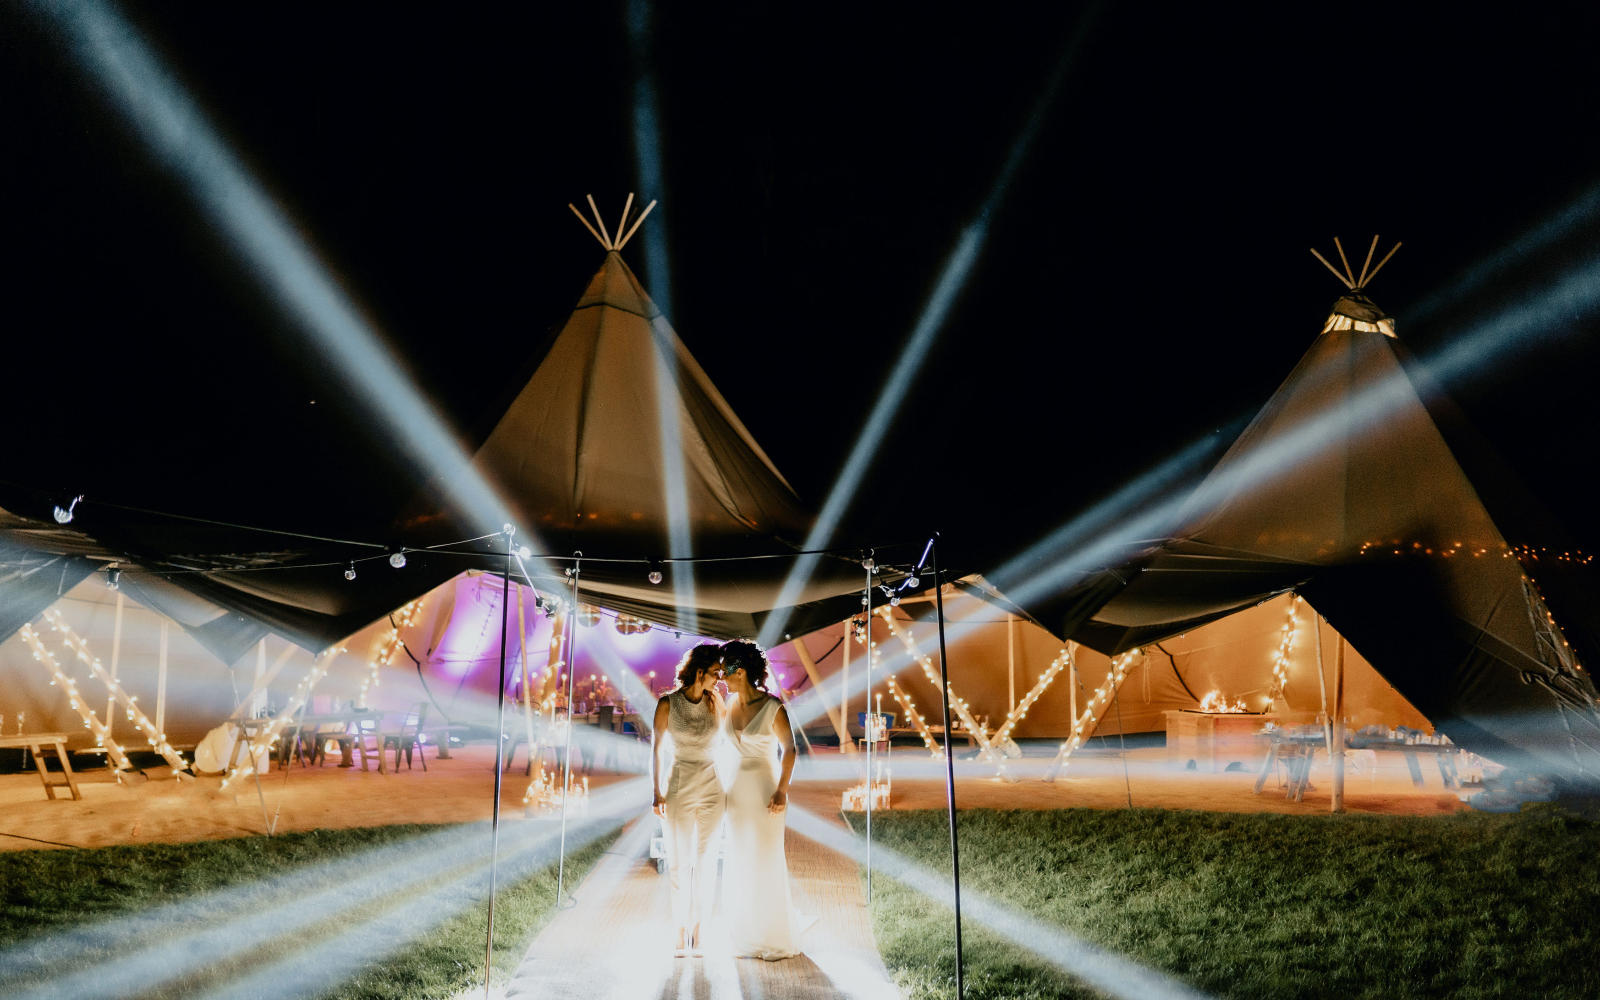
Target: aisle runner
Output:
[{"x": 617, "y": 941}]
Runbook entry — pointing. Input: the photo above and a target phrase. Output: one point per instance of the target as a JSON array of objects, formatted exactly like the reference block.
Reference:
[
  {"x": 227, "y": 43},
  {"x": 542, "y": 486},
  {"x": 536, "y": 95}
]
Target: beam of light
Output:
[
  {"x": 1101, "y": 537},
  {"x": 647, "y": 150},
  {"x": 319, "y": 969},
  {"x": 952, "y": 281},
  {"x": 1577, "y": 216},
  {"x": 230, "y": 923},
  {"x": 635, "y": 963},
  {"x": 1106, "y": 516},
  {"x": 1105, "y": 971},
  {"x": 178, "y": 135}
]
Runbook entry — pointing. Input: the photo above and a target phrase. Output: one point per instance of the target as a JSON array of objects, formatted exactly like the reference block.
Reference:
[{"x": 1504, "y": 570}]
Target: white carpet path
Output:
[{"x": 615, "y": 942}]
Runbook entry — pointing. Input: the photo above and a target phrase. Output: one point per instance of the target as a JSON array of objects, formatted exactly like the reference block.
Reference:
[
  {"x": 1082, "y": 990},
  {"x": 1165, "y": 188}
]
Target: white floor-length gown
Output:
[
  {"x": 694, "y": 807},
  {"x": 756, "y": 905}
]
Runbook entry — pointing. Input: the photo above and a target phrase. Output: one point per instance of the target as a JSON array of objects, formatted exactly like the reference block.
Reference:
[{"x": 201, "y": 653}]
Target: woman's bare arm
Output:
[
  {"x": 780, "y": 726},
  {"x": 658, "y": 733}
]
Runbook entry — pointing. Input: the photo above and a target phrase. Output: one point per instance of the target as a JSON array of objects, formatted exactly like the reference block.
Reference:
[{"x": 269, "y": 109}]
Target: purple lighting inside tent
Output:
[{"x": 458, "y": 638}]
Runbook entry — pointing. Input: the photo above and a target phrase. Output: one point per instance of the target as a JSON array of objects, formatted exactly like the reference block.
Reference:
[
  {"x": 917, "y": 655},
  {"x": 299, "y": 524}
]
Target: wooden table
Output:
[
  {"x": 1214, "y": 740},
  {"x": 351, "y": 734},
  {"x": 1444, "y": 754},
  {"x": 37, "y": 742}
]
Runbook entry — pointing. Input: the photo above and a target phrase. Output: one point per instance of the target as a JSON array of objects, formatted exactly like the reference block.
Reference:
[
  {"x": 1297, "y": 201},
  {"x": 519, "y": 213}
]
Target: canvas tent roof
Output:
[
  {"x": 1344, "y": 489},
  {"x": 578, "y": 455},
  {"x": 593, "y": 459}
]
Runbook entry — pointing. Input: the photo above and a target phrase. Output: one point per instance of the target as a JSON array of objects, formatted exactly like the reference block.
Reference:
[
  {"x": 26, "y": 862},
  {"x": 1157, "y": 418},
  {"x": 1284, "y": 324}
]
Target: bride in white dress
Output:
[
  {"x": 756, "y": 904},
  {"x": 692, "y": 802}
]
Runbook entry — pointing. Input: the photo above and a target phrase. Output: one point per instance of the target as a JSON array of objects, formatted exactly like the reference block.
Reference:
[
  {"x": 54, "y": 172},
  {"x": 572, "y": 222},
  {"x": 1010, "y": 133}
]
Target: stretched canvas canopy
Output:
[
  {"x": 996, "y": 658},
  {"x": 1344, "y": 489},
  {"x": 618, "y": 446}
]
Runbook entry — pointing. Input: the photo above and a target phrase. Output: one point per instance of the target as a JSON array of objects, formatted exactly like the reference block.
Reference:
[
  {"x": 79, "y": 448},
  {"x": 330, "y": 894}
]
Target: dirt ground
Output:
[{"x": 141, "y": 809}]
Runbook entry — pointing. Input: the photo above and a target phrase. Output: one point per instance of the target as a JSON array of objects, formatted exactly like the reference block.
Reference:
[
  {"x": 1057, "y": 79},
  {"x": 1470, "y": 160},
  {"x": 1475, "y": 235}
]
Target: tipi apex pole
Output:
[
  {"x": 949, "y": 759},
  {"x": 866, "y": 615},
  {"x": 499, "y": 758},
  {"x": 566, "y": 755}
]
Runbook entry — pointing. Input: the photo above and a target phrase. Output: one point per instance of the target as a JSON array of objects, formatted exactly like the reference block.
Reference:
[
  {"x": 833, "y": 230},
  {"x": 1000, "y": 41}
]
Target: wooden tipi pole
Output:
[{"x": 1338, "y": 728}]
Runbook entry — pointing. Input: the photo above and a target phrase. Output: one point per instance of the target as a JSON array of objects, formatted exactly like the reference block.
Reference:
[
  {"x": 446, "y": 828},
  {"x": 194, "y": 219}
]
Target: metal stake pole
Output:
[
  {"x": 566, "y": 770},
  {"x": 499, "y": 759},
  {"x": 866, "y": 602},
  {"x": 949, "y": 758}
]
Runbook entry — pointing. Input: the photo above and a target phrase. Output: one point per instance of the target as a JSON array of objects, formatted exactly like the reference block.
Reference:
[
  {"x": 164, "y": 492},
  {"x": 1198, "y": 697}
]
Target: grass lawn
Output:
[
  {"x": 1261, "y": 905},
  {"x": 363, "y": 913}
]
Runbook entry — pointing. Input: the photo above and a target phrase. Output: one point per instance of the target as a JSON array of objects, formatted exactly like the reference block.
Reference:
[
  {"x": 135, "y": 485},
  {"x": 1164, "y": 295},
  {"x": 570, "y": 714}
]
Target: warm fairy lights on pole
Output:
[
  {"x": 542, "y": 792},
  {"x": 904, "y": 698},
  {"x": 986, "y": 750},
  {"x": 388, "y": 647},
  {"x": 1084, "y": 725},
  {"x": 1280, "y": 659},
  {"x": 102, "y": 734},
  {"x": 264, "y": 741},
  {"x": 1062, "y": 661},
  {"x": 156, "y": 738}
]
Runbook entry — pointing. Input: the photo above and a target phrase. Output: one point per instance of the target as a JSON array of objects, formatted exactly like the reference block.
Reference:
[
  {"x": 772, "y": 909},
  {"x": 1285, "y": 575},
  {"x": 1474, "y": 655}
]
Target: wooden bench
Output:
[{"x": 37, "y": 742}]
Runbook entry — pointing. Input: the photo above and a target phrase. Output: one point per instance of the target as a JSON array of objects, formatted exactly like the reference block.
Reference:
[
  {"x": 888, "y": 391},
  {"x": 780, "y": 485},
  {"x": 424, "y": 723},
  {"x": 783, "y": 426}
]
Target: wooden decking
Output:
[{"x": 615, "y": 942}]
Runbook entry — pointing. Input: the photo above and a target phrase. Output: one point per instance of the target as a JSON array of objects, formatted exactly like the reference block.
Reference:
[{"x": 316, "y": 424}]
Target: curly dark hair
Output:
[
  {"x": 744, "y": 654},
  {"x": 701, "y": 657}
]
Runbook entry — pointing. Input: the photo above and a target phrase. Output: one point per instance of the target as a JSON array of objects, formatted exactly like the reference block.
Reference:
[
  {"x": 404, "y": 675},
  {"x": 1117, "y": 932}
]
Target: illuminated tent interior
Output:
[
  {"x": 447, "y": 656},
  {"x": 998, "y": 659},
  {"x": 1345, "y": 489}
]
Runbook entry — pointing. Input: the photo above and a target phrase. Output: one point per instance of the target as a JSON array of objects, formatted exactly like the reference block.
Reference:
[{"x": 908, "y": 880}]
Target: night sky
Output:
[{"x": 1143, "y": 279}]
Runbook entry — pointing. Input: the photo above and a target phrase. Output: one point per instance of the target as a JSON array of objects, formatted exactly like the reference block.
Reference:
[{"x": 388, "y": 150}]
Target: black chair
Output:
[{"x": 409, "y": 738}]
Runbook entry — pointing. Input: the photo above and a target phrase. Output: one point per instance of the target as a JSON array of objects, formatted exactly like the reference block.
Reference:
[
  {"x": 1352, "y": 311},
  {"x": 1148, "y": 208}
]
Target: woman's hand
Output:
[
  {"x": 660, "y": 805},
  {"x": 780, "y": 800}
]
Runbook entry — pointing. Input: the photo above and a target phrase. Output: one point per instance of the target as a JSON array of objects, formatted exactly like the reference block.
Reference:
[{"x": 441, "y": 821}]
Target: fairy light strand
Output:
[
  {"x": 986, "y": 749},
  {"x": 1062, "y": 661},
  {"x": 102, "y": 733},
  {"x": 388, "y": 648},
  {"x": 157, "y": 739},
  {"x": 1280, "y": 658},
  {"x": 903, "y": 697},
  {"x": 264, "y": 741},
  {"x": 1086, "y": 723}
]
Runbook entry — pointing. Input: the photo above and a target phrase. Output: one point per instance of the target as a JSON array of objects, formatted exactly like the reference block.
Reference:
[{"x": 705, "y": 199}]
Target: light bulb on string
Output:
[
  {"x": 397, "y": 559},
  {"x": 63, "y": 515},
  {"x": 350, "y": 570}
]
